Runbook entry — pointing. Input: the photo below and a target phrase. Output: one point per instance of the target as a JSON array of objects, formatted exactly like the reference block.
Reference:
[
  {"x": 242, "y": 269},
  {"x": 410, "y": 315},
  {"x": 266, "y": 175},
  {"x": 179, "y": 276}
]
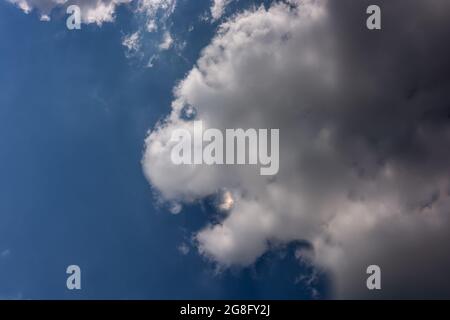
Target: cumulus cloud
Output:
[
  {"x": 92, "y": 11},
  {"x": 364, "y": 140}
]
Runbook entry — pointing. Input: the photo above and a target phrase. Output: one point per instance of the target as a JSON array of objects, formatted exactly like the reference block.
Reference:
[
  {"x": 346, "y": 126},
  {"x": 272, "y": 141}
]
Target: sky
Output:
[{"x": 86, "y": 118}]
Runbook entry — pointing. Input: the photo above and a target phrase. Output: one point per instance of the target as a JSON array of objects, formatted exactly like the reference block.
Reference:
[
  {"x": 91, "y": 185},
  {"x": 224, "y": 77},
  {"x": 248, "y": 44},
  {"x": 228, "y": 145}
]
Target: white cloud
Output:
[
  {"x": 92, "y": 11},
  {"x": 350, "y": 183},
  {"x": 151, "y": 61},
  {"x": 157, "y": 11},
  {"x": 152, "y": 15},
  {"x": 155, "y": 14},
  {"x": 45, "y": 17},
  {"x": 22, "y": 4},
  {"x": 175, "y": 208},
  {"x": 218, "y": 8},
  {"x": 167, "y": 41},
  {"x": 101, "y": 11},
  {"x": 131, "y": 42}
]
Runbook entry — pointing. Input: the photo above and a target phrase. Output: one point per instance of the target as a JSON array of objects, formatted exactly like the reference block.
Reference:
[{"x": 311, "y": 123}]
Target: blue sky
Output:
[{"x": 74, "y": 113}]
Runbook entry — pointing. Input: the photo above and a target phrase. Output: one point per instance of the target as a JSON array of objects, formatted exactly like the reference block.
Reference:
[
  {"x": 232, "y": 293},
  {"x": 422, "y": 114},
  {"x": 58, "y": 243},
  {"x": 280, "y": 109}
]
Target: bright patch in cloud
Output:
[{"x": 226, "y": 202}]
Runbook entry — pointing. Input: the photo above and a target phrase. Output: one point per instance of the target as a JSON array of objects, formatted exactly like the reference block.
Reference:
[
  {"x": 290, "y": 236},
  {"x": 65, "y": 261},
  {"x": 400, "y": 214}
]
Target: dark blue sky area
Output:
[{"x": 74, "y": 113}]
